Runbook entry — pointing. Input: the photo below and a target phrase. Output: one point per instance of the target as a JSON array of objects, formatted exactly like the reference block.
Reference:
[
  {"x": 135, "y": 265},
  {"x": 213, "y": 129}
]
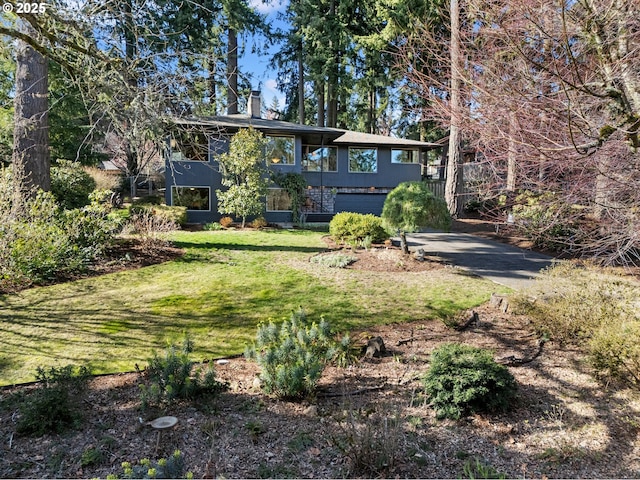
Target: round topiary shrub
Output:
[
  {"x": 356, "y": 227},
  {"x": 463, "y": 379}
]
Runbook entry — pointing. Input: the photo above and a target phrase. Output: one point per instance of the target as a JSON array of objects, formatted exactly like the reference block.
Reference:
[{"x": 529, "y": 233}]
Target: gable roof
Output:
[{"x": 309, "y": 133}]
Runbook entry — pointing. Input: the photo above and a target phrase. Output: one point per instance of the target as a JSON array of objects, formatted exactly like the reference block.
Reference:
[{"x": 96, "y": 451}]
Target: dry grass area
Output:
[{"x": 369, "y": 420}]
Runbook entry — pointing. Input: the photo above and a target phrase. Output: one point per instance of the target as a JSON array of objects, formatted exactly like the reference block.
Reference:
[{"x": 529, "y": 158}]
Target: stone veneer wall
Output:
[{"x": 322, "y": 200}]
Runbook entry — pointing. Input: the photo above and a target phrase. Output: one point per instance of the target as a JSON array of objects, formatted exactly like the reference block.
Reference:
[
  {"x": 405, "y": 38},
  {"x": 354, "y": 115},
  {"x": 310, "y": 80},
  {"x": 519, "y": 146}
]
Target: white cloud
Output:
[
  {"x": 268, "y": 6},
  {"x": 271, "y": 84}
]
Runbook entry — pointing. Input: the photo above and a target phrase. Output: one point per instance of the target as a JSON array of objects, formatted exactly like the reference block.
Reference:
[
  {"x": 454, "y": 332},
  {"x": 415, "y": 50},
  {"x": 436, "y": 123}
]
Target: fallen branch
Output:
[
  {"x": 355, "y": 392},
  {"x": 512, "y": 361}
]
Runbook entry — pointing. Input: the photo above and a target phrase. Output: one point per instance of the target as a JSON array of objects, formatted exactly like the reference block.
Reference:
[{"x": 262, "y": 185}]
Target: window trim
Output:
[
  {"x": 208, "y": 187},
  {"x": 375, "y": 149}
]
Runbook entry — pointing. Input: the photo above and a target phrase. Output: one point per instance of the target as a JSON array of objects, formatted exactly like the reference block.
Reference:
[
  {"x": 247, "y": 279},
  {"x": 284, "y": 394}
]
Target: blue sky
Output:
[{"x": 257, "y": 65}]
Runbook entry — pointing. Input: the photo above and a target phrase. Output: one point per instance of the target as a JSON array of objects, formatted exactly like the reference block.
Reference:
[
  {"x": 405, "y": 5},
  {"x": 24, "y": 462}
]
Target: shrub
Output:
[
  {"x": 412, "y": 206},
  {"x": 226, "y": 222},
  {"x": 46, "y": 242},
  {"x": 213, "y": 226},
  {"x": 172, "y": 376},
  {"x": 70, "y": 184},
  {"x": 259, "y": 222},
  {"x": 355, "y": 227},
  {"x": 543, "y": 219},
  {"x": 592, "y": 307},
  {"x": 172, "y": 467},
  {"x": 333, "y": 260},
  {"x": 464, "y": 379},
  {"x": 53, "y": 406},
  {"x": 104, "y": 180},
  {"x": 292, "y": 356},
  {"x": 371, "y": 442}
]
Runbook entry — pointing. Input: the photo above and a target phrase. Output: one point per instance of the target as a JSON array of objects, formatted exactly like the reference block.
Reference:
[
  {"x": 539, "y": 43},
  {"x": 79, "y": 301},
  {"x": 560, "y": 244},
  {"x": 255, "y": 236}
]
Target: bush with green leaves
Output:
[
  {"x": 54, "y": 406},
  {"x": 463, "y": 379},
  {"x": 595, "y": 308},
  {"x": 171, "y": 467},
  {"x": 346, "y": 227},
  {"x": 46, "y": 243},
  {"x": 71, "y": 184},
  {"x": 172, "y": 376},
  {"x": 412, "y": 206},
  {"x": 292, "y": 356}
]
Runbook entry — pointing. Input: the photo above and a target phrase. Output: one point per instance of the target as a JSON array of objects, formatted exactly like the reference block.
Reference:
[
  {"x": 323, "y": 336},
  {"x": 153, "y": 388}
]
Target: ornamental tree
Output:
[
  {"x": 412, "y": 206},
  {"x": 244, "y": 172}
]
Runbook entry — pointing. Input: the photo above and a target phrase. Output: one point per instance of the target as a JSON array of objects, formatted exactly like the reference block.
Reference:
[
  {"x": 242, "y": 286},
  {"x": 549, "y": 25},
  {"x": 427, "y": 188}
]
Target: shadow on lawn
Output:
[{"x": 241, "y": 246}]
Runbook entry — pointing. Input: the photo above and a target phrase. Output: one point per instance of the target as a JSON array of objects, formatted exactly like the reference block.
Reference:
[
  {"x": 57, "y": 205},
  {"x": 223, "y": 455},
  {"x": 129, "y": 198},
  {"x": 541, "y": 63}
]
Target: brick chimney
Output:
[{"x": 254, "y": 106}]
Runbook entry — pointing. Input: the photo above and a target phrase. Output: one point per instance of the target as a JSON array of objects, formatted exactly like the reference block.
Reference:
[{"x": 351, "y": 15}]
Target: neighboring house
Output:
[{"x": 344, "y": 170}]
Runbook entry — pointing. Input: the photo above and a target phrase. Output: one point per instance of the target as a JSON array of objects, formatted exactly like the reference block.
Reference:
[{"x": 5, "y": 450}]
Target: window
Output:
[
  {"x": 363, "y": 160},
  {"x": 194, "y": 198},
  {"x": 189, "y": 147},
  {"x": 278, "y": 200},
  {"x": 280, "y": 150},
  {"x": 316, "y": 159},
  {"x": 405, "y": 156}
]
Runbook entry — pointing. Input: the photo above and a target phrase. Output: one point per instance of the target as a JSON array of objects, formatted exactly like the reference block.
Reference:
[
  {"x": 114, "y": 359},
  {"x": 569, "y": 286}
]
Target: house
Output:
[{"x": 344, "y": 170}]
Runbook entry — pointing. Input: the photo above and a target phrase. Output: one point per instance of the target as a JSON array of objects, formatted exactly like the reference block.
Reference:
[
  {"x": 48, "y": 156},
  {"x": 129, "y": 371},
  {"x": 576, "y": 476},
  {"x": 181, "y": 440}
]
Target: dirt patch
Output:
[{"x": 563, "y": 424}]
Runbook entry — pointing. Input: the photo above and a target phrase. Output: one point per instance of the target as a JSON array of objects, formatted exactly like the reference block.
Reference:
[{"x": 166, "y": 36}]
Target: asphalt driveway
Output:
[{"x": 504, "y": 264}]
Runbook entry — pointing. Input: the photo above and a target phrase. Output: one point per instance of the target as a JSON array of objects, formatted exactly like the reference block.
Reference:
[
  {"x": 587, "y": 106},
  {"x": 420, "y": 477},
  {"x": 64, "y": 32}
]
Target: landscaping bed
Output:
[{"x": 367, "y": 420}]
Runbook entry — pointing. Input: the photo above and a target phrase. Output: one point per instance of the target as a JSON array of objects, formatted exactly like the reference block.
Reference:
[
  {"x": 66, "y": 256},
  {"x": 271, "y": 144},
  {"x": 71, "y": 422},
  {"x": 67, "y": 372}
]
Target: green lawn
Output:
[{"x": 226, "y": 284}]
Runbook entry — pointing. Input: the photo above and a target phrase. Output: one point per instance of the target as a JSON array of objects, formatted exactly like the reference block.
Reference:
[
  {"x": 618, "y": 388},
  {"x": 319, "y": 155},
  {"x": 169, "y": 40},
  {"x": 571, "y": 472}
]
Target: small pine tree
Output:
[{"x": 292, "y": 356}]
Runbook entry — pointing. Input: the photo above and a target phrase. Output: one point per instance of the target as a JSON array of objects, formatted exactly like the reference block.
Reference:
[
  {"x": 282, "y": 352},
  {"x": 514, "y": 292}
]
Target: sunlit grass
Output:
[{"x": 226, "y": 284}]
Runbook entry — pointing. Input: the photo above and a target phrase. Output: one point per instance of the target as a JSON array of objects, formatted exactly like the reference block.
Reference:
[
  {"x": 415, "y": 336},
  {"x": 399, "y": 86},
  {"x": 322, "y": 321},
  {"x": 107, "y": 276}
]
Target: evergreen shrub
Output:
[
  {"x": 53, "y": 407},
  {"x": 412, "y": 206},
  {"x": 463, "y": 379},
  {"x": 353, "y": 227},
  {"x": 172, "y": 376},
  {"x": 292, "y": 356}
]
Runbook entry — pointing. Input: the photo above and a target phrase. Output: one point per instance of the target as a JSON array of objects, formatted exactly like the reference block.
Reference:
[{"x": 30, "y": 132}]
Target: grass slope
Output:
[{"x": 218, "y": 292}]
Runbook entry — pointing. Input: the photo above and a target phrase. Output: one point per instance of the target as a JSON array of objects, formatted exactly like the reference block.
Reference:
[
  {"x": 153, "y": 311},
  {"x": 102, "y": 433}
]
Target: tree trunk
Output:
[
  {"x": 454, "y": 165},
  {"x": 320, "y": 94},
  {"x": 511, "y": 154},
  {"x": 300, "y": 85},
  {"x": 232, "y": 72},
  {"x": 31, "y": 162},
  {"x": 212, "y": 82}
]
